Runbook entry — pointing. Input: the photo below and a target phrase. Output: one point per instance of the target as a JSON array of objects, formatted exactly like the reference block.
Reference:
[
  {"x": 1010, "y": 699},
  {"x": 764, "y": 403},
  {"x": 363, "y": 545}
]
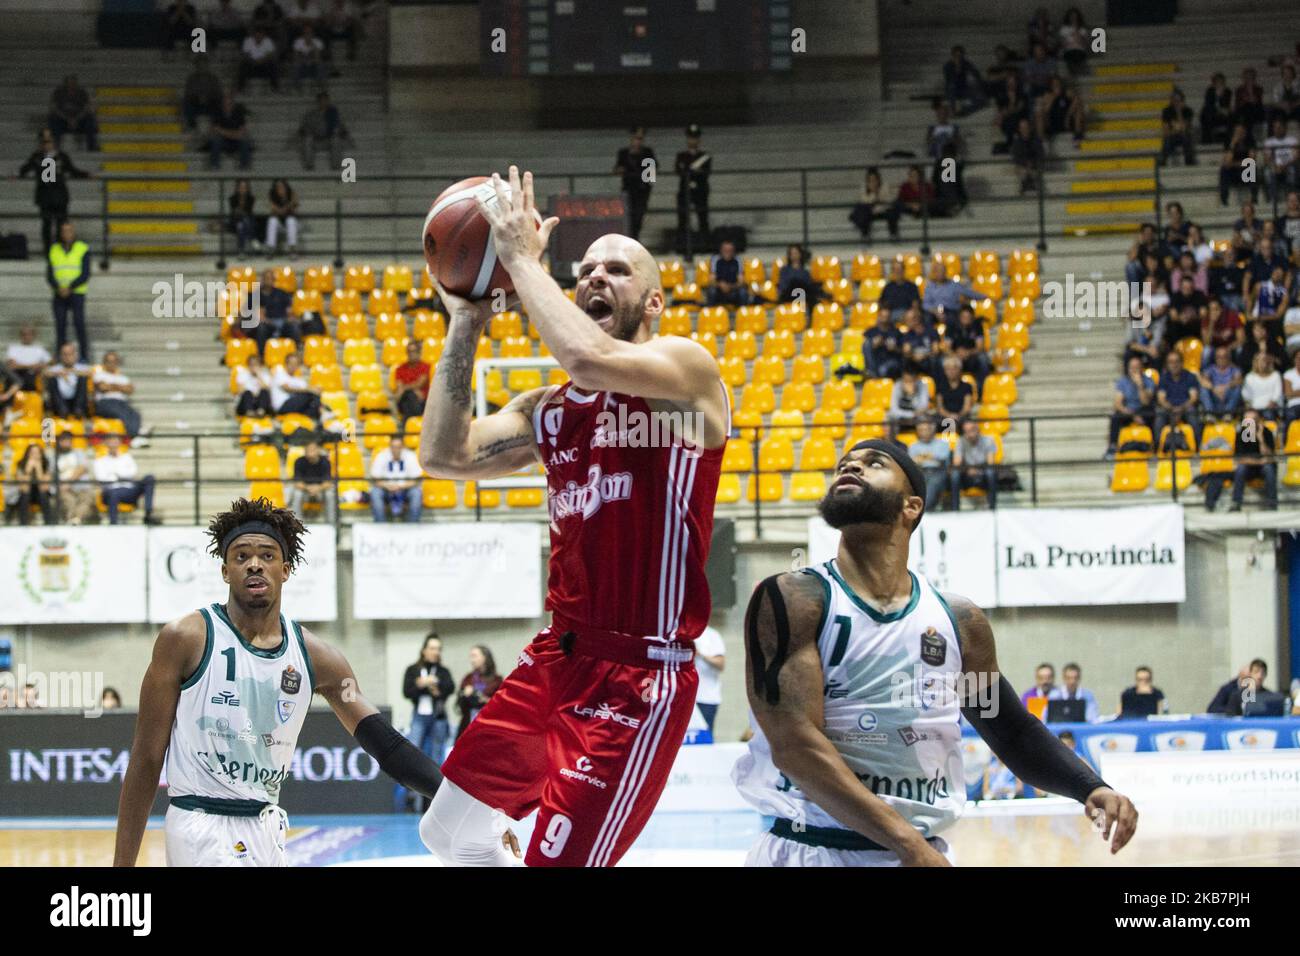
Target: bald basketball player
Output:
[
  {"x": 858, "y": 674},
  {"x": 585, "y": 729}
]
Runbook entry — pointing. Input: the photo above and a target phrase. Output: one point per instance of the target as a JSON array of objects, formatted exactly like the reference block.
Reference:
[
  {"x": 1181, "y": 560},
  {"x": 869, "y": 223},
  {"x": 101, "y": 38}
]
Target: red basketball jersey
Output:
[{"x": 631, "y": 511}]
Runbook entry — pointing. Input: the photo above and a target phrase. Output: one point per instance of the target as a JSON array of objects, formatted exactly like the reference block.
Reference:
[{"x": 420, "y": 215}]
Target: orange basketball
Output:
[{"x": 458, "y": 241}]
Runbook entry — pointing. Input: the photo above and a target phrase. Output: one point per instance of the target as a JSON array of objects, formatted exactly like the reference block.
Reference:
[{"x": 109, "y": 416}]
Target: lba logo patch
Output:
[{"x": 933, "y": 650}]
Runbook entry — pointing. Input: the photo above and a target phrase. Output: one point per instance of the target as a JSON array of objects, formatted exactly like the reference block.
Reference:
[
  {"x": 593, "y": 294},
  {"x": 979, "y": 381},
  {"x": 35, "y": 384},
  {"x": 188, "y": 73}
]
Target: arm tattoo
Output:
[
  {"x": 774, "y": 640},
  {"x": 494, "y": 448},
  {"x": 456, "y": 367}
]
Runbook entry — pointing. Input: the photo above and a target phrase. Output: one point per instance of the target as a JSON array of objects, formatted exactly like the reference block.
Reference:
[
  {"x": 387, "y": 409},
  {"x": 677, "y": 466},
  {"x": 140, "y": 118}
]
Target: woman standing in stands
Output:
[
  {"x": 242, "y": 222},
  {"x": 254, "y": 384},
  {"x": 1074, "y": 42},
  {"x": 476, "y": 687},
  {"x": 31, "y": 487},
  {"x": 284, "y": 215}
]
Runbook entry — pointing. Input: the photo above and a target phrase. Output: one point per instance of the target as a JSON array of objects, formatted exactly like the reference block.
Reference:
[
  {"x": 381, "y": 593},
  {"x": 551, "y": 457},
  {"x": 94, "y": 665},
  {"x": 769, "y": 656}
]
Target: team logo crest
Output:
[
  {"x": 290, "y": 680},
  {"x": 284, "y": 710},
  {"x": 933, "y": 650}
]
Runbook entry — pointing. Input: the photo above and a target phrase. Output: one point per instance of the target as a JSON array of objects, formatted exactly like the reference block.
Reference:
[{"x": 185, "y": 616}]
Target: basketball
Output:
[{"x": 458, "y": 241}]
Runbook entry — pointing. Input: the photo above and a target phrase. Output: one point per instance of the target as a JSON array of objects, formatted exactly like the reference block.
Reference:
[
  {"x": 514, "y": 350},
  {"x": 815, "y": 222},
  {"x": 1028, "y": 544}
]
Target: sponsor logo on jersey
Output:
[
  {"x": 551, "y": 419},
  {"x": 603, "y": 712},
  {"x": 241, "y": 849},
  {"x": 565, "y": 457},
  {"x": 867, "y": 720},
  {"x": 268, "y": 740},
  {"x": 586, "y": 499},
  {"x": 226, "y": 697},
  {"x": 911, "y": 736},
  {"x": 672, "y": 655},
  {"x": 523, "y": 659},
  {"x": 248, "y": 735},
  {"x": 933, "y": 649},
  {"x": 919, "y": 789},
  {"x": 857, "y": 737},
  {"x": 582, "y": 773},
  {"x": 284, "y": 710},
  {"x": 290, "y": 680},
  {"x": 835, "y": 691}
]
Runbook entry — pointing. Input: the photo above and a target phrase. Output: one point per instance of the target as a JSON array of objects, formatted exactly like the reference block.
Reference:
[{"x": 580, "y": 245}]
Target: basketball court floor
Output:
[{"x": 1037, "y": 832}]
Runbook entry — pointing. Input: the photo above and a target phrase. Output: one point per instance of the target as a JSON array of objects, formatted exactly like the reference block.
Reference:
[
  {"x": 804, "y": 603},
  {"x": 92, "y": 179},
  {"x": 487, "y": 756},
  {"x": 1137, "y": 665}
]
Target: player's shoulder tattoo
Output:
[
  {"x": 782, "y": 616},
  {"x": 974, "y": 634}
]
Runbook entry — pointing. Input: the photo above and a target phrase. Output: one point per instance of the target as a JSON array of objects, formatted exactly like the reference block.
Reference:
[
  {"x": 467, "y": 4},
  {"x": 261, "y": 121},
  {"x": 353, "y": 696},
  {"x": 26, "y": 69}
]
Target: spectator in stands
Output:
[
  {"x": 1038, "y": 72},
  {"x": 975, "y": 457},
  {"x": 1261, "y": 336},
  {"x": 909, "y": 401},
  {"x": 230, "y": 134},
  {"x": 290, "y": 392},
  {"x": 179, "y": 21},
  {"x": 1216, "y": 110},
  {"x": 1279, "y": 161},
  {"x": 934, "y": 455},
  {"x": 51, "y": 184},
  {"x": 428, "y": 685},
  {"x": 1286, "y": 96},
  {"x": 202, "y": 94},
  {"x": 1242, "y": 689},
  {"x": 1227, "y": 277},
  {"x": 9, "y": 389},
  {"x": 1262, "y": 389},
  {"x": 710, "y": 662},
  {"x": 1041, "y": 32},
  {"x": 1070, "y": 690},
  {"x": 1044, "y": 684},
  {"x": 284, "y": 215},
  {"x": 340, "y": 22},
  {"x": 1291, "y": 389},
  {"x": 794, "y": 281},
  {"x": 728, "y": 286},
  {"x": 225, "y": 23},
  {"x": 1006, "y": 63},
  {"x": 1145, "y": 245},
  {"x": 965, "y": 340},
  {"x": 635, "y": 166},
  {"x": 273, "y": 318},
  {"x": 67, "y": 393},
  {"x": 116, "y": 473},
  {"x": 254, "y": 384},
  {"x": 1012, "y": 108},
  {"x": 693, "y": 166},
  {"x": 76, "y": 494},
  {"x": 1146, "y": 342},
  {"x": 1248, "y": 100},
  {"x": 915, "y": 196},
  {"x": 1074, "y": 42},
  {"x": 72, "y": 112},
  {"x": 1288, "y": 224},
  {"x": 1202, "y": 253},
  {"x": 1176, "y": 130},
  {"x": 26, "y": 359},
  {"x": 395, "y": 482},
  {"x": 1256, "y": 457},
  {"x": 31, "y": 485},
  {"x": 68, "y": 273},
  {"x": 1027, "y": 155},
  {"x": 963, "y": 87},
  {"x": 1176, "y": 221},
  {"x": 268, "y": 16},
  {"x": 1221, "y": 387},
  {"x": 322, "y": 128},
  {"x": 954, "y": 396},
  {"x": 112, "y": 390},
  {"x": 1143, "y": 699},
  {"x": 1266, "y": 260},
  {"x": 301, "y": 15},
  {"x": 313, "y": 482},
  {"x": 1134, "y": 401},
  {"x": 944, "y": 296},
  {"x": 308, "y": 58},
  {"x": 412, "y": 381},
  {"x": 1177, "y": 396},
  {"x": 899, "y": 293},
  {"x": 476, "y": 687},
  {"x": 1223, "y": 329},
  {"x": 882, "y": 347},
  {"x": 920, "y": 342},
  {"x": 873, "y": 205},
  {"x": 1187, "y": 308},
  {"x": 110, "y": 699},
  {"x": 1271, "y": 297},
  {"x": 1156, "y": 299},
  {"x": 258, "y": 57},
  {"x": 1060, "y": 110},
  {"x": 242, "y": 221}
]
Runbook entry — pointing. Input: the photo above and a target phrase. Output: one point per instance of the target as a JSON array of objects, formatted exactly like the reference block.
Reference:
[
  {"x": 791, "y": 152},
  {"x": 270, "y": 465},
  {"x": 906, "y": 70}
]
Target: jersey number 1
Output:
[{"x": 229, "y": 655}]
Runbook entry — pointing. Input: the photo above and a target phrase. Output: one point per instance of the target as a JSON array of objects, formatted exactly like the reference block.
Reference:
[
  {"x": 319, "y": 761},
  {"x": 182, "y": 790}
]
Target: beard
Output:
[
  {"x": 864, "y": 506},
  {"x": 627, "y": 319}
]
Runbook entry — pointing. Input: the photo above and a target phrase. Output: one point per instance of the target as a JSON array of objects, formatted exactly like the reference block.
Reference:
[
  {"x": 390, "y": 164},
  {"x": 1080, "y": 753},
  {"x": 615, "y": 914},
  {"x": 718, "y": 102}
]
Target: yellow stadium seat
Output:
[
  {"x": 285, "y": 280},
  {"x": 869, "y": 290},
  {"x": 376, "y": 430},
  {"x": 738, "y": 455},
  {"x": 808, "y": 368},
  {"x": 327, "y": 378},
  {"x": 411, "y": 432},
  {"x": 769, "y": 369},
  {"x": 911, "y": 265},
  {"x": 359, "y": 351},
  {"x": 525, "y": 497},
  {"x": 728, "y": 489},
  {"x": 865, "y": 266},
  {"x": 272, "y": 491},
  {"x": 359, "y": 279},
  {"x": 758, "y": 397},
  {"x": 808, "y": 486},
  {"x": 238, "y": 351},
  {"x": 319, "y": 279},
  {"x": 851, "y": 340},
  {"x": 779, "y": 343},
  {"x": 733, "y": 370},
  {"x": 517, "y": 346},
  {"x": 319, "y": 350},
  {"x": 1026, "y": 285},
  {"x": 505, "y": 325},
  {"x": 381, "y": 301},
  {"x": 951, "y": 262},
  {"x": 261, "y": 462},
  {"x": 393, "y": 351},
  {"x": 747, "y": 422},
  {"x": 818, "y": 342},
  {"x": 839, "y": 395},
  {"x": 427, "y": 324},
  {"x": 1166, "y": 469},
  {"x": 798, "y": 397},
  {"x": 365, "y": 378},
  {"x": 828, "y": 316},
  {"x": 989, "y": 285},
  {"x": 275, "y": 350},
  {"x": 688, "y": 292},
  {"x": 524, "y": 379},
  {"x": 1191, "y": 350},
  {"x": 841, "y": 291},
  {"x": 877, "y": 392},
  {"x": 999, "y": 389},
  {"x": 703, "y": 272},
  {"x": 484, "y": 348},
  {"x": 766, "y": 290},
  {"x": 817, "y": 453},
  {"x": 1013, "y": 335},
  {"x": 305, "y": 301},
  {"x": 352, "y": 326},
  {"x": 752, "y": 319},
  {"x": 292, "y": 422},
  {"x": 675, "y": 321},
  {"x": 487, "y": 498},
  {"x": 787, "y": 424},
  {"x": 708, "y": 340},
  {"x": 557, "y": 376},
  {"x": 863, "y": 424},
  {"x": 438, "y": 493},
  {"x": 769, "y": 487},
  {"x": 251, "y": 429},
  {"x": 984, "y": 261},
  {"x": 825, "y": 268},
  {"x": 1024, "y": 260},
  {"x": 1008, "y": 360},
  {"x": 776, "y": 453},
  {"x": 1018, "y": 310},
  {"x": 1132, "y": 473},
  {"x": 790, "y": 316},
  {"x": 336, "y": 400},
  {"x": 713, "y": 321},
  {"x": 390, "y": 325},
  {"x": 741, "y": 345},
  {"x": 671, "y": 273},
  {"x": 752, "y": 270},
  {"x": 862, "y": 315},
  {"x": 345, "y": 302},
  {"x": 398, "y": 279},
  {"x": 993, "y": 419},
  {"x": 241, "y": 275},
  {"x": 431, "y": 351},
  {"x": 1218, "y": 443}
]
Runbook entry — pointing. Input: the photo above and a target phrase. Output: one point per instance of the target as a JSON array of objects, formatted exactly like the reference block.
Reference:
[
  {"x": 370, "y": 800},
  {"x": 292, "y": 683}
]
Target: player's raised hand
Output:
[
  {"x": 460, "y": 308},
  {"x": 1114, "y": 816},
  {"x": 518, "y": 231}
]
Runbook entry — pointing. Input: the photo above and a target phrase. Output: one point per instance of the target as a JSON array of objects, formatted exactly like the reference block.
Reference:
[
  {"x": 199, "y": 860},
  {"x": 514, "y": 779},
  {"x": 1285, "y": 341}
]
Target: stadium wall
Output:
[{"x": 1230, "y": 615}]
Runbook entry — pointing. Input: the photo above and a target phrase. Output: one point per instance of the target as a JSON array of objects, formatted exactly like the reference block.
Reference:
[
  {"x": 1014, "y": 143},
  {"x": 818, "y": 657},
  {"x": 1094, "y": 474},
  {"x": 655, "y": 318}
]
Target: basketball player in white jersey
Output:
[
  {"x": 858, "y": 672},
  {"x": 223, "y": 701}
]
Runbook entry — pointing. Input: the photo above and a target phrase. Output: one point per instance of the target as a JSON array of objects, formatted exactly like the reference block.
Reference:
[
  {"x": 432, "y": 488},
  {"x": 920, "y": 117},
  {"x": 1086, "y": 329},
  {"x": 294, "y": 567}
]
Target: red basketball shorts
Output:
[{"x": 586, "y": 737}]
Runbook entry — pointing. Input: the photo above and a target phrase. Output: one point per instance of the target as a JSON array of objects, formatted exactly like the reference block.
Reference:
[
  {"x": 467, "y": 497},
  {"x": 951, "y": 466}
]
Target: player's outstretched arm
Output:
[
  {"x": 784, "y": 680},
  {"x": 176, "y": 653},
  {"x": 454, "y": 444},
  {"x": 1021, "y": 740},
  {"x": 396, "y": 756}
]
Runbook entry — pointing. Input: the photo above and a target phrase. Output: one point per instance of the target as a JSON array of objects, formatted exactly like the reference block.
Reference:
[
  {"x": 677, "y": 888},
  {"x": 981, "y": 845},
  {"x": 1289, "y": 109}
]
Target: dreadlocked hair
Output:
[{"x": 258, "y": 509}]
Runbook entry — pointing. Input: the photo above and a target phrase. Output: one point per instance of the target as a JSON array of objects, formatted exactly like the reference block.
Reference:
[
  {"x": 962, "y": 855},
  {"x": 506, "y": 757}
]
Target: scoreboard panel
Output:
[{"x": 606, "y": 37}]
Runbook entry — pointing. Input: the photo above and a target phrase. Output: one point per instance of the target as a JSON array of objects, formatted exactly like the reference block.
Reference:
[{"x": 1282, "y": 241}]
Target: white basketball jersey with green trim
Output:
[
  {"x": 239, "y": 715},
  {"x": 891, "y": 710}
]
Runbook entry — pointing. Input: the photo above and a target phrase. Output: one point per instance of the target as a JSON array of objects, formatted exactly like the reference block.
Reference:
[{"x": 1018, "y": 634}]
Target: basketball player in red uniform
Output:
[{"x": 585, "y": 729}]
